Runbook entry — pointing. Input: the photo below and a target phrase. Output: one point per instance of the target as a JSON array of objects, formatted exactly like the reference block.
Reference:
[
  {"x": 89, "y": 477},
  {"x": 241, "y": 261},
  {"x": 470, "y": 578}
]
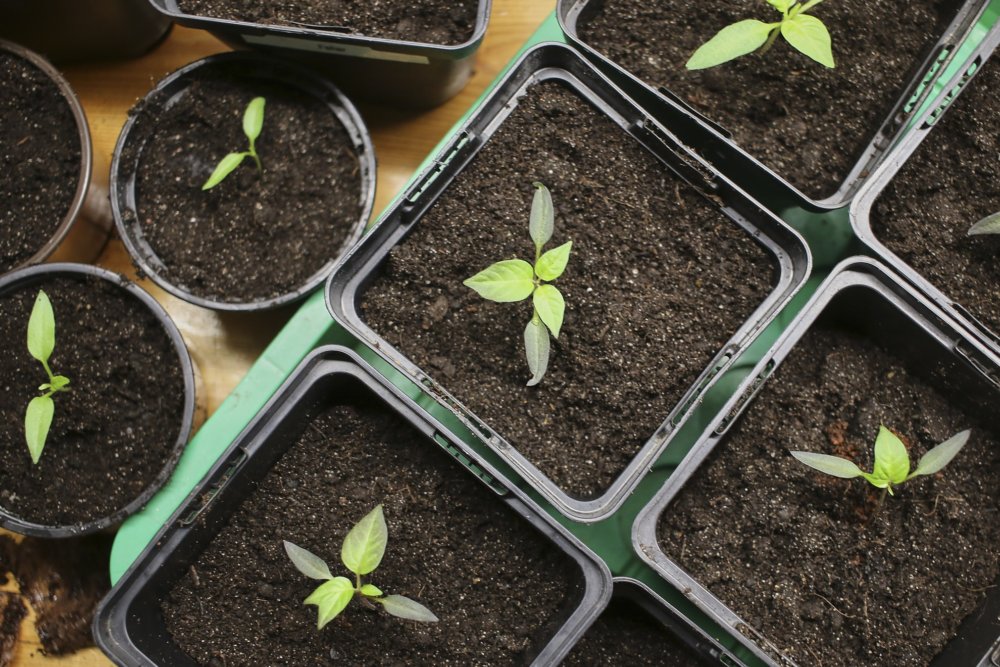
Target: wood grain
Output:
[{"x": 225, "y": 345}]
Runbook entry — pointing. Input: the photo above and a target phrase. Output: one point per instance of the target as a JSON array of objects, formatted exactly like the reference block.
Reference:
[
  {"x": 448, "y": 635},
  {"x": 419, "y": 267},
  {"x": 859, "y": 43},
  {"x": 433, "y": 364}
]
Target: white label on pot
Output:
[{"x": 335, "y": 48}]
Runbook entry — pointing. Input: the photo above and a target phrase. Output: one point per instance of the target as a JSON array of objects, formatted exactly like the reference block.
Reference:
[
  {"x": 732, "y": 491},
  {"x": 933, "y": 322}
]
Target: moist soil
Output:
[
  {"x": 496, "y": 584},
  {"x": 658, "y": 280},
  {"x": 807, "y": 122},
  {"x": 426, "y": 21},
  {"x": 810, "y": 560},
  {"x": 950, "y": 182},
  {"x": 628, "y": 636},
  {"x": 39, "y": 157},
  {"x": 12, "y": 612},
  {"x": 255, "y": 236},
  {"x": 114, "y": 430}
]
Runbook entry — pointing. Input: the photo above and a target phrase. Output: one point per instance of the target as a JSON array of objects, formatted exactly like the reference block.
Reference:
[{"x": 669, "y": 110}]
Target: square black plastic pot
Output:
[
  {"x": 129, "y": 625},
  {"x": 861, "y": 295},
  {"x": 714, "y": 143},
  {"x": 557, "y": 63},
  {"x": 861, "y": 212},
  {"x": 403, "y": 73}
]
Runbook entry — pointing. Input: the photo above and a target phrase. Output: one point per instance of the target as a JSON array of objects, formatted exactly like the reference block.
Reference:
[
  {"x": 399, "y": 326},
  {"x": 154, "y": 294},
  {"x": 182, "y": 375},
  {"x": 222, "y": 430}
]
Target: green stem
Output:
[
  {"x": 806, "y": 7},
  {"x": 770, "y": 41},
  {"x": 48, "y": 371},
  {"x": 253, "y": 153}
]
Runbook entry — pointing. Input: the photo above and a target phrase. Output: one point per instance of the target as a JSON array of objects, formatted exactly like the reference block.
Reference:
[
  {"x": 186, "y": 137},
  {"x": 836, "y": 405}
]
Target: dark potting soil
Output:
[
  {"x": 39, "y": 158},
  {"x": 426, "y": 21},
  {"x": 12, "y": 612},
  {"x": 805, "y": 558},
  {"x": 626, "y": 635},
  {"x": 114, "y": 430},
  {"x": 497, "y": 585},
  {"x": 949, "y": 183},
  {"x": 256, "y": 235},
  {"x": 807, "y": 122},
  {"x": 657, "y": 281}
]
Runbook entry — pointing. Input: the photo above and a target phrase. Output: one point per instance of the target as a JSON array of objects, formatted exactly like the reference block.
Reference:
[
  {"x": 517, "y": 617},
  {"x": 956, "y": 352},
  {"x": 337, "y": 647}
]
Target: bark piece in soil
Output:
[
  {"x": 805, "y": 121},
  {"x": 425, "y": 21},
  {"x": 950, "y": 182},
  {"x": 805, "y": 558},
  {"x": 495, "y": 583},
  {"x": 255, "y": 236},
  {"x": 116, "y": 427},
  {"x": 39, "y": 158},
  {"x": 657, "y": 282}
]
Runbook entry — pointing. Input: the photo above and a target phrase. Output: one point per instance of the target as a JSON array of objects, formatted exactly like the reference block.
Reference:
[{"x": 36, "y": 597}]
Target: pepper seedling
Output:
[
  {"x": 513, "y": 280},
  {"x": 892, "y": 462},
  {"x": 253, "y": 123},
  {"x": 988, "y": 225},
  {"x": 362, "y": 552},
  {"x": 804, "y": 32},
  {"x": 41, "y": 343}
]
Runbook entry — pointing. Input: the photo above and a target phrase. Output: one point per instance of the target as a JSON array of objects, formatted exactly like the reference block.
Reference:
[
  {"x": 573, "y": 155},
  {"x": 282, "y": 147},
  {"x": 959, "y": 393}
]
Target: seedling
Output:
[
  {"x": 892, "y": 462},
  {"x": 41, "y": 343},
  {"x": 513, "y": 280},
  {"x": 253, "y": 122},
  {"x": 804, "y": 32},
  {"x": 988, "y": 225},
  {"x": 362, "y": 552}
]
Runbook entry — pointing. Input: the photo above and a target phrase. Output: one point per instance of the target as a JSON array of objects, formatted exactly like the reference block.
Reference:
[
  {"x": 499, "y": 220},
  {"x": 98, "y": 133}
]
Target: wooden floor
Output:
[{"x": 225, "y": 345}]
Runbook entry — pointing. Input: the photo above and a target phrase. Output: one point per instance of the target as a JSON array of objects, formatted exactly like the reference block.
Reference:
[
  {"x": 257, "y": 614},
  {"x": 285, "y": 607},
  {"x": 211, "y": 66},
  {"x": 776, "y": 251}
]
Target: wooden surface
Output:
[{"x": 225, "y": 345}]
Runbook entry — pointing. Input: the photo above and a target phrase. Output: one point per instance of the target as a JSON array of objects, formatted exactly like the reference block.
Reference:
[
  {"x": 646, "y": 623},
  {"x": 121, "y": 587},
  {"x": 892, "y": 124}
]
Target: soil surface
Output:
[
  {"x": 803, "y": 120},
  {"x": 496, "y": 584},
  {"x": 952, "y": 181},
  {"x": 626, "y": 635},
  {"x": 12, "y": 612},
  {"x": 255, "y": 236},
  {"x": 658, "y": 280},
  {"x": 808, "y": 559},
  {"x": 426, "y": 21},
  {"x": 39, "y": 158},
  {"x": 115, "y": 428}
]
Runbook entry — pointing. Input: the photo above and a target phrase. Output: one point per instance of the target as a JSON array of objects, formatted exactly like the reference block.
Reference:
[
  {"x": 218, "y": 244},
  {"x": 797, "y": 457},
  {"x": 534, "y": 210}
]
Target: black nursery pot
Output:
[
  {"x": 258, "y": 240},
  {"x": 553, "y": 87},
  {"x": 68, "y": 448},
  {"x": 894, "y": 357},
  {"x": 391, "y": 71},
  {"x": 132, "y": 627},
  {"x": 79, "y": 231},
  {"x": 767, "y": 156}
]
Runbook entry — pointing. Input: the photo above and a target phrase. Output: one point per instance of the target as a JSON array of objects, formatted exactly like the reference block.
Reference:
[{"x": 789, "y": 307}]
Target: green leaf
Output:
[
  {"x": 781, "y": 5},
  {"x": 733, "y": 41},
  {"x": 59, "y": 382},
  {"x": 542, "y": 218},
  {"x": 330, "y": 599},
  {"x": 877, "y": 480},
  {"x": 831, "y": 465},
  {"x": 307, "y": 562},
  {"x": 504, "y": 282},
  {"x": 892, "y": 462},
  {"x": 371, "y": 591},
  {"x": 550, "y": 306},
  {"x": 225, "y": 167},
  {"x": 364, "y": 545},
  {"x": 253, "y": 119},
  {"x": 808, "y": 35},
  {"x": 536, "y": 347},
  {"x": 941, "y": 455},
  {"x": 37, "y": 420},
  {"x": 42, "y": 329},
  {"x": 552, "y": 264},
  {"x": 404, "y": 607},
  {"x": 988, "y": 225}
]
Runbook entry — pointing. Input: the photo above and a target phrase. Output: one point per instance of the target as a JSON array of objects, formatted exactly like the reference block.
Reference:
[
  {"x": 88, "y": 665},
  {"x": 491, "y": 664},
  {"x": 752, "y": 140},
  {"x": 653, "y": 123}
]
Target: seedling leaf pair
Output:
[
  {"x": 253, "y": 123},
  {"x": 41, "y": 343},
  {"x": 804, "y": 32},
  {"x": 513, "y": 280},
  {"x": 892, "y": 461},
  {"x": 988, "y": 225},
  {"x": 362, "y": 553}
]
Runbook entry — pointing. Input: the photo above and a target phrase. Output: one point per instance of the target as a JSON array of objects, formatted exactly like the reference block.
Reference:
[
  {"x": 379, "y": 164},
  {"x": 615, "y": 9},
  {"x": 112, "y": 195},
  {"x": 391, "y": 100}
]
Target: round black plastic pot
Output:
[
  {"x": 67, "y": 31},
  {"x": 870, "y": 306},
  {"x": 35, "y": 278},
  {"x": 402, "y": 73},
  {"x": 86, "y": 225},
  {"x": 130, "y": 625},
  {"x": 142, "y": 127}
]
